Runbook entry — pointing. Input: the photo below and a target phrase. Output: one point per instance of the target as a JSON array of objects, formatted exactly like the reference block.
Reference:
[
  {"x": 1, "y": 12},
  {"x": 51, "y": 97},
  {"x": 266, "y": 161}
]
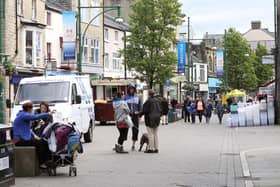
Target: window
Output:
[
  {"x": 38, "y": 45},
  {"x": 106, "y": 34},
  {"x": 116, "y": 61},
  {"x": 49, "y": 51},
  {"x": 34, "y": 9},
  {"x": 28, "y": 47},
  {"x": 95, "y": 51},
  {"x": 106, "y": 60},
  {"x": 95, "y": 11},
  {"x": 50, "y": 92},
  {"x": 84, "y": 11},
  {"x": 116, "y": 36},
  {"x": 202, "y": 73},
  {"x": 49, "y": 20},
  {"x": 33, "y": 46},
  {"x": 74, "y": 94},
  {"x": 20, "y": 7}
]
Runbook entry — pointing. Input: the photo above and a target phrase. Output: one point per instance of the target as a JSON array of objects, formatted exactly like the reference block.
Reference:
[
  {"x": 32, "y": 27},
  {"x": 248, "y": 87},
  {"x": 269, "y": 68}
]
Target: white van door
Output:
[{"x": 76, "y": 112}]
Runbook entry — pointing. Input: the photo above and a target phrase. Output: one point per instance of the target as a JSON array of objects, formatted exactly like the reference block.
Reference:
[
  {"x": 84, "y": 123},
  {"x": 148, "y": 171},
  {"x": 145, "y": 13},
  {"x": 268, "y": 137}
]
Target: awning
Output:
[{"x": 112, "y": 82}]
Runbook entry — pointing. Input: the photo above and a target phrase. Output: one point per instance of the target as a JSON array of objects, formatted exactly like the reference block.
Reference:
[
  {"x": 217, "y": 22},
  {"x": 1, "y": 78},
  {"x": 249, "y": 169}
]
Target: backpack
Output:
[{"x": 155, "y": 112}]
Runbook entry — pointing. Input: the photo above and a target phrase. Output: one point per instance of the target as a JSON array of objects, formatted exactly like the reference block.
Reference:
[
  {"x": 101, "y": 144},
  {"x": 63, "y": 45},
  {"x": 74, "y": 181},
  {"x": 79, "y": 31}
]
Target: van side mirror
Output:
[
  {"x": 8, "y": 103},
  {"x": 78, "y": 99}
]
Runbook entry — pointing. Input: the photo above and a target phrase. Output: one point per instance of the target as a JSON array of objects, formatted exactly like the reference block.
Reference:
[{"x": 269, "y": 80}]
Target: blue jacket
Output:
[
  {"x": 134, "y": 103},
  {"x": 21, "y": 125}
]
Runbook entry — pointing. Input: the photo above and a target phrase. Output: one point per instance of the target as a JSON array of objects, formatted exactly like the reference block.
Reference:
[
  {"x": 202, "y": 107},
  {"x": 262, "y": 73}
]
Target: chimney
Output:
[{"x": 256, "y": 25}]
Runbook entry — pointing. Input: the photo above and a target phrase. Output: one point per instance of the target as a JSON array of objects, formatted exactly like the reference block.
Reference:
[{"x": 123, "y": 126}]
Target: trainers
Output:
[
  {"x": 148, "y": 151},
  {"x": 156, "y": 151},
  {"x": 119, "y": 149}
]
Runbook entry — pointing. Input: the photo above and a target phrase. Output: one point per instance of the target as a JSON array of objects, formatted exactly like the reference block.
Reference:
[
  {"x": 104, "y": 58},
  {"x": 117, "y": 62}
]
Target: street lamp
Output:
[{"x": 118, "y": 19}]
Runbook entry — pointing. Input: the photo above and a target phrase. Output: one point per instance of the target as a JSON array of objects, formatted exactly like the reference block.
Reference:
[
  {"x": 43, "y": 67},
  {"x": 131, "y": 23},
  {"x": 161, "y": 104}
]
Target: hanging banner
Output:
[
  {"x": 182, "y": 54},
  {"x": 220, "y": 63},
  {"x": 69, "y": 36}
]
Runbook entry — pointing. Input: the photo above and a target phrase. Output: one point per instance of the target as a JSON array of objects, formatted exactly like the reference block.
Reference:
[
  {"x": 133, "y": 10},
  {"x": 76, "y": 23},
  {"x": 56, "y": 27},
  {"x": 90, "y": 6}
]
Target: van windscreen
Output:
[{"x": 50, "y": 92}]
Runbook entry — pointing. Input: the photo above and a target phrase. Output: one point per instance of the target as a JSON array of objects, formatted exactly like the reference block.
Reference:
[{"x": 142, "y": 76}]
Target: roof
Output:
[
  {"x": 59, "y": 78},
  {"x": 259, "y": 35},
  {"x": 109, "y": 21},
  {"x": 55, "y": 6}
]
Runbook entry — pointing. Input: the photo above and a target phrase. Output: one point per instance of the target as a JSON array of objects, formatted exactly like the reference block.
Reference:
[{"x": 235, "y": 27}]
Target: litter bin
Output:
[{"x": 6, "y": 158}]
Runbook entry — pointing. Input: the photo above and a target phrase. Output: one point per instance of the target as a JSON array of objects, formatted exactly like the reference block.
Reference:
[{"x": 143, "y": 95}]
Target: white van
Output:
[{"x": 70, "y": 96}]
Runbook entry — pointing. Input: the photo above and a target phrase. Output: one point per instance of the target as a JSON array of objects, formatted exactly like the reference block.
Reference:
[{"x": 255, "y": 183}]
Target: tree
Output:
[
  {"x": 239, "y": 62},
  {"x": 264, "y": 72},
  {"x": 153, "y": 25}
]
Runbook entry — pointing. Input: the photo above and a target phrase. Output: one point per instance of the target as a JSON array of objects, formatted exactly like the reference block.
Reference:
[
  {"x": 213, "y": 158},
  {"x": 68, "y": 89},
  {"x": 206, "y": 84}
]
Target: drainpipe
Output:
[
  {"x": 2, "y": 92},
  {"x": 16, "y": 15}
]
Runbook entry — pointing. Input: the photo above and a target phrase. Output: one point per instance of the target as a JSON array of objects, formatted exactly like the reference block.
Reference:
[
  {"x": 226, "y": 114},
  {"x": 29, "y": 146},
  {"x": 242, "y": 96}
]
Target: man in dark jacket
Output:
[
  {"x": 187, "y": 107},
  {"x": 152, "y": 111}
]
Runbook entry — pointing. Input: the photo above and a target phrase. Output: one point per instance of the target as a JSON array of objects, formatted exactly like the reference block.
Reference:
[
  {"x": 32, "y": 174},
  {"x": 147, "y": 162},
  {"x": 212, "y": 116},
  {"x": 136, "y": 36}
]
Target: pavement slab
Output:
[{"x": 190, "y": 155}]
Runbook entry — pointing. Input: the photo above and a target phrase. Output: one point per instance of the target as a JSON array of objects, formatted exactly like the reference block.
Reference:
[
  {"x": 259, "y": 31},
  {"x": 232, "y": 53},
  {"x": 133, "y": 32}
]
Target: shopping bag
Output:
[{"x": 129, "y": 121}]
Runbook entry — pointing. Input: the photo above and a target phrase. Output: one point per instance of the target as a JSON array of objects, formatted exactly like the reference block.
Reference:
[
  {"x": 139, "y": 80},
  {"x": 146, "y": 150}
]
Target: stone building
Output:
[{"x": 23, "y": 37}]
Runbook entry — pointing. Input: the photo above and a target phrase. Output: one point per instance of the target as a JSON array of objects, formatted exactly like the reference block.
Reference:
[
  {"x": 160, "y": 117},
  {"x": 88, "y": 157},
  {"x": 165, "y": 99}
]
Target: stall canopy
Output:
[{"x": 235, "y": 93}]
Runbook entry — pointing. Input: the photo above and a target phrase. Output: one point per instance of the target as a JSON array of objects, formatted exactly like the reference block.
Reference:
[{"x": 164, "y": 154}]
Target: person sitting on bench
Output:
[{"x": 24, "y": 136}]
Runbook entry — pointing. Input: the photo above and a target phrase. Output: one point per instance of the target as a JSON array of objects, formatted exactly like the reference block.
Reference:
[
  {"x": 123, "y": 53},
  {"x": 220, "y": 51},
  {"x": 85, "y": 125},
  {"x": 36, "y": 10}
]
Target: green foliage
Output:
[
  {"x": 264, "y": 72},
  {"x": 152, "y": 30},
  {"x": 239, "y": 61}
]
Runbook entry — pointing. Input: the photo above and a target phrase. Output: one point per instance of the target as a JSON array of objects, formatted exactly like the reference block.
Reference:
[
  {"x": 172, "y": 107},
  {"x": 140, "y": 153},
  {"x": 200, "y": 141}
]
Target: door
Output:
[{"x": 76, "y": 113}]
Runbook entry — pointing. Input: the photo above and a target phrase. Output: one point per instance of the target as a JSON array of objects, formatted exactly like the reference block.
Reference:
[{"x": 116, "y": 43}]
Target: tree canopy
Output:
[
  {"x": 152, "y": 28},
  {"x": 239, "y": 62},
  {"x": 264, "y": 72}
]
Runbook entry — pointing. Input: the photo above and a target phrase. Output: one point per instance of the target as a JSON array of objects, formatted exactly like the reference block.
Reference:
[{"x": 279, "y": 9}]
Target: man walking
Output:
[
  {"x": 152, "y": 111},
  {"x": 187, "y": 107},
  {"x": 135, "y": 106}
]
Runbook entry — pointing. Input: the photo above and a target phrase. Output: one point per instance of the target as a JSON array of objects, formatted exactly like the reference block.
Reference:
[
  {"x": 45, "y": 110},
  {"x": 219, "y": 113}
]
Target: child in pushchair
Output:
[{"x": 64, "y": 144}]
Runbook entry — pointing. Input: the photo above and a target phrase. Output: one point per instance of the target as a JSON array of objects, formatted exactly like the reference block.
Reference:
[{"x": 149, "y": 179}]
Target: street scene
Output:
[{"x": 139, "y": 93}]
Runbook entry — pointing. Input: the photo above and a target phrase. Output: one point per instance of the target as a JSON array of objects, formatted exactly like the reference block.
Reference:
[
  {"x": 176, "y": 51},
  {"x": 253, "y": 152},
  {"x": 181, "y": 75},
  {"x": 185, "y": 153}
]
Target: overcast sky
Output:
[{"x": 213, "y": 16}]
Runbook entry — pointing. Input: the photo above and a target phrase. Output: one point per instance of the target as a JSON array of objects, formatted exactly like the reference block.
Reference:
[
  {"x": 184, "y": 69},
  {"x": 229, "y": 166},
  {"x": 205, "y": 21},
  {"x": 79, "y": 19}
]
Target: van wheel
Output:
[{"x": 89, "y": 135}]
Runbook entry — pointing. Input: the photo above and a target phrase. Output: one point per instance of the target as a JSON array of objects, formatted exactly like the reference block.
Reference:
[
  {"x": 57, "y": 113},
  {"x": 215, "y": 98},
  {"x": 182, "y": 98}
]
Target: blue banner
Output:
[
  {"x": 69, "y": 36},
  {"x": 220, "y": 63},
  {"x": 182, "y": 56}
]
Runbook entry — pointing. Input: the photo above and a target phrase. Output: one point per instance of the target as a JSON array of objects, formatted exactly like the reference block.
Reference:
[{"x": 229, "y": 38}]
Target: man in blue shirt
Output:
[{"x": 135, "y": 106}]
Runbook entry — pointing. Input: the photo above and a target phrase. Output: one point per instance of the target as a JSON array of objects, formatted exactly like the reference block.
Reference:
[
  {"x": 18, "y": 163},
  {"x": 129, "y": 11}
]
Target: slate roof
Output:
[
  {"x": 55, "y": 6},
  {"x": 109, "y": 21}
]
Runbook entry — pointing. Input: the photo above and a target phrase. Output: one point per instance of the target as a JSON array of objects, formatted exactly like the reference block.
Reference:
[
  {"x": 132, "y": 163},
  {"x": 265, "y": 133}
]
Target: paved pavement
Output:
[{"x": 190, "y": 155}]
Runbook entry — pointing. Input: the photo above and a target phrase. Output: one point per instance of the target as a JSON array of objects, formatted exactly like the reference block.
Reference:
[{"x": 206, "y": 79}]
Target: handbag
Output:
[{"x": 129, "y": 121}]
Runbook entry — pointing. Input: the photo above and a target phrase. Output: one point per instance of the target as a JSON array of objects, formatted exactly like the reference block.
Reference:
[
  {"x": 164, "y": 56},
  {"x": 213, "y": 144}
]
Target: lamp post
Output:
[{"x": 82, "y": 35}]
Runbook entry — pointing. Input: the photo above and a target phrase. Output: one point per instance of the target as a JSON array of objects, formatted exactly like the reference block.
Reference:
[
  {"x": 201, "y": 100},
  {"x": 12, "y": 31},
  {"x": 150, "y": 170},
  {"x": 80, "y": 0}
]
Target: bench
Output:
[{"x": 26, "y": 161}]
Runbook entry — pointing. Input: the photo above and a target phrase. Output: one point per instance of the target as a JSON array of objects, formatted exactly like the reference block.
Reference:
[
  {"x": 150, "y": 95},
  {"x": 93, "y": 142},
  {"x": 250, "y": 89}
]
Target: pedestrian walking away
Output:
[
  {"x": 152, "y": 111},
  {"x": 186, "y": 108},
  {"x": 192, "y": 111},
  {"x": 200, "y": 107},
  {"x": 135, "y": 106},
  {"x": 208, "y": 110},
  {"x": 121, "y": 113},
  {"x": 165, "y": 109},
  {"x": 220, "y": 109}
]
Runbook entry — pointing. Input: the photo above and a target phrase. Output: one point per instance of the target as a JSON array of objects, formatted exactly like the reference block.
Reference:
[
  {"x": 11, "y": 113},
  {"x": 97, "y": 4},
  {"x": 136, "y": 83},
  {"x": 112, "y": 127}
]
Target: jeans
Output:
[
  {"x": 135, "y": 128},
  {"x": 187, "y": 116},
  {"x": 153, "y": 138},
  {"x": 200, "y": 113}
]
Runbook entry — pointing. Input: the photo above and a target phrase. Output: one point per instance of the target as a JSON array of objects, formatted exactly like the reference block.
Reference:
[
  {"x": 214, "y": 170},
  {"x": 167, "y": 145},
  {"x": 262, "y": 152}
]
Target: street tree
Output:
[
  {"x": 152, "y": 28},
  {"x": 264, "y": 72},
  {"x": 239, "y": 62}
]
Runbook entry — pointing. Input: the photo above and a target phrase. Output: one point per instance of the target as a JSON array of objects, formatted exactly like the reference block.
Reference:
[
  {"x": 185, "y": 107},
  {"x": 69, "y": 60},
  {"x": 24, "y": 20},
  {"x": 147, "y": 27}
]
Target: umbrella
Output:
[{"x": 236, "y": 93}]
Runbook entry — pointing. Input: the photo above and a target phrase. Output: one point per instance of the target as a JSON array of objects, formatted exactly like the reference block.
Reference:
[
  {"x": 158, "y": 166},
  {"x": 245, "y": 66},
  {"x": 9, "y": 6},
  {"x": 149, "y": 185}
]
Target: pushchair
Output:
[{"x": 64, "y": 144}]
